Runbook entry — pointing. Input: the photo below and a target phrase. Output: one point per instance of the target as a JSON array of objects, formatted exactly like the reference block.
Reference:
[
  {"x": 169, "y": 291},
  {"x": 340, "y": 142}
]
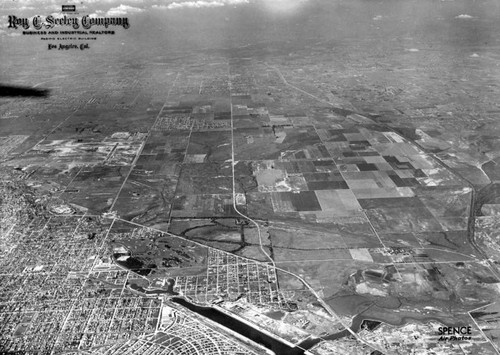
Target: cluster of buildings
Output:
[
  {"x": 107, "y": 320},
  {"x": 232, "y": 277},
  {"x": 56, "y": 294},
  {"x": 181, "y": 333}
]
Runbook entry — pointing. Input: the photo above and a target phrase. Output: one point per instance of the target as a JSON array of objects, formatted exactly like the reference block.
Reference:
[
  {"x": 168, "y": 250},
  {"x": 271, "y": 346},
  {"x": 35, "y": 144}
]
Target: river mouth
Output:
[
  {"x": 279, "y": 348},
  {"x": 276, "y": 346},
  {"x": 251, "y": 333},
  {"x": 271, "y": 343}
]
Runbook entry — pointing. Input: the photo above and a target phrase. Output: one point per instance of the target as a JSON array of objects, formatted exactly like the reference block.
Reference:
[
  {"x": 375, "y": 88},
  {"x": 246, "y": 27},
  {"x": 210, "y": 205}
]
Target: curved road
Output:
[{"x": 320, "y": 300}]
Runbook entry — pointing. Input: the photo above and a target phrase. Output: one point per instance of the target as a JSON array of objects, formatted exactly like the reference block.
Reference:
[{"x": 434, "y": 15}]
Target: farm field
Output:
[{"x": 252, "y": 177}]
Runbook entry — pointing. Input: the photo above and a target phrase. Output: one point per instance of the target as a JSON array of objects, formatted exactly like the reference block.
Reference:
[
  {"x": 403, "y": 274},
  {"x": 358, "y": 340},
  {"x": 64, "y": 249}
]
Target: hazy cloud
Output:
[
  {"x": 24, "y": 7},
  {"x": 123, "y": 10},
  {"x": 114, "y": 1},
  {"x": 98, "y": 13},
  {"x": 464, "y": 16},
  {"x": 41, "y": 5},
  {"x": 3, "y": 21},
  {"x": 283, "y": 6},
  {"x": 201, "y": 4}
]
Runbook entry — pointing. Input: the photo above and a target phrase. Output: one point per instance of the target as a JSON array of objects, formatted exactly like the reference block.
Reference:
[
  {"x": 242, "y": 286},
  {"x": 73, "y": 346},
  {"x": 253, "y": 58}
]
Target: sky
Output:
[
  {"x": 217, "y": 24},
  {"x": 274, "y": 8},
  {"x": 139, "y": 10},
  {"x": 127, "y": 7},
  {"x": 263, "y": 28}
]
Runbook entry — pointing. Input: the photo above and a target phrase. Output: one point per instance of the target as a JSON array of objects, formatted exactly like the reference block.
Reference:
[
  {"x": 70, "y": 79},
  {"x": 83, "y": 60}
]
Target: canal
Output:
[
  {"x": 273, "y": 344},
  {"x": 240, "y": 327}
]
